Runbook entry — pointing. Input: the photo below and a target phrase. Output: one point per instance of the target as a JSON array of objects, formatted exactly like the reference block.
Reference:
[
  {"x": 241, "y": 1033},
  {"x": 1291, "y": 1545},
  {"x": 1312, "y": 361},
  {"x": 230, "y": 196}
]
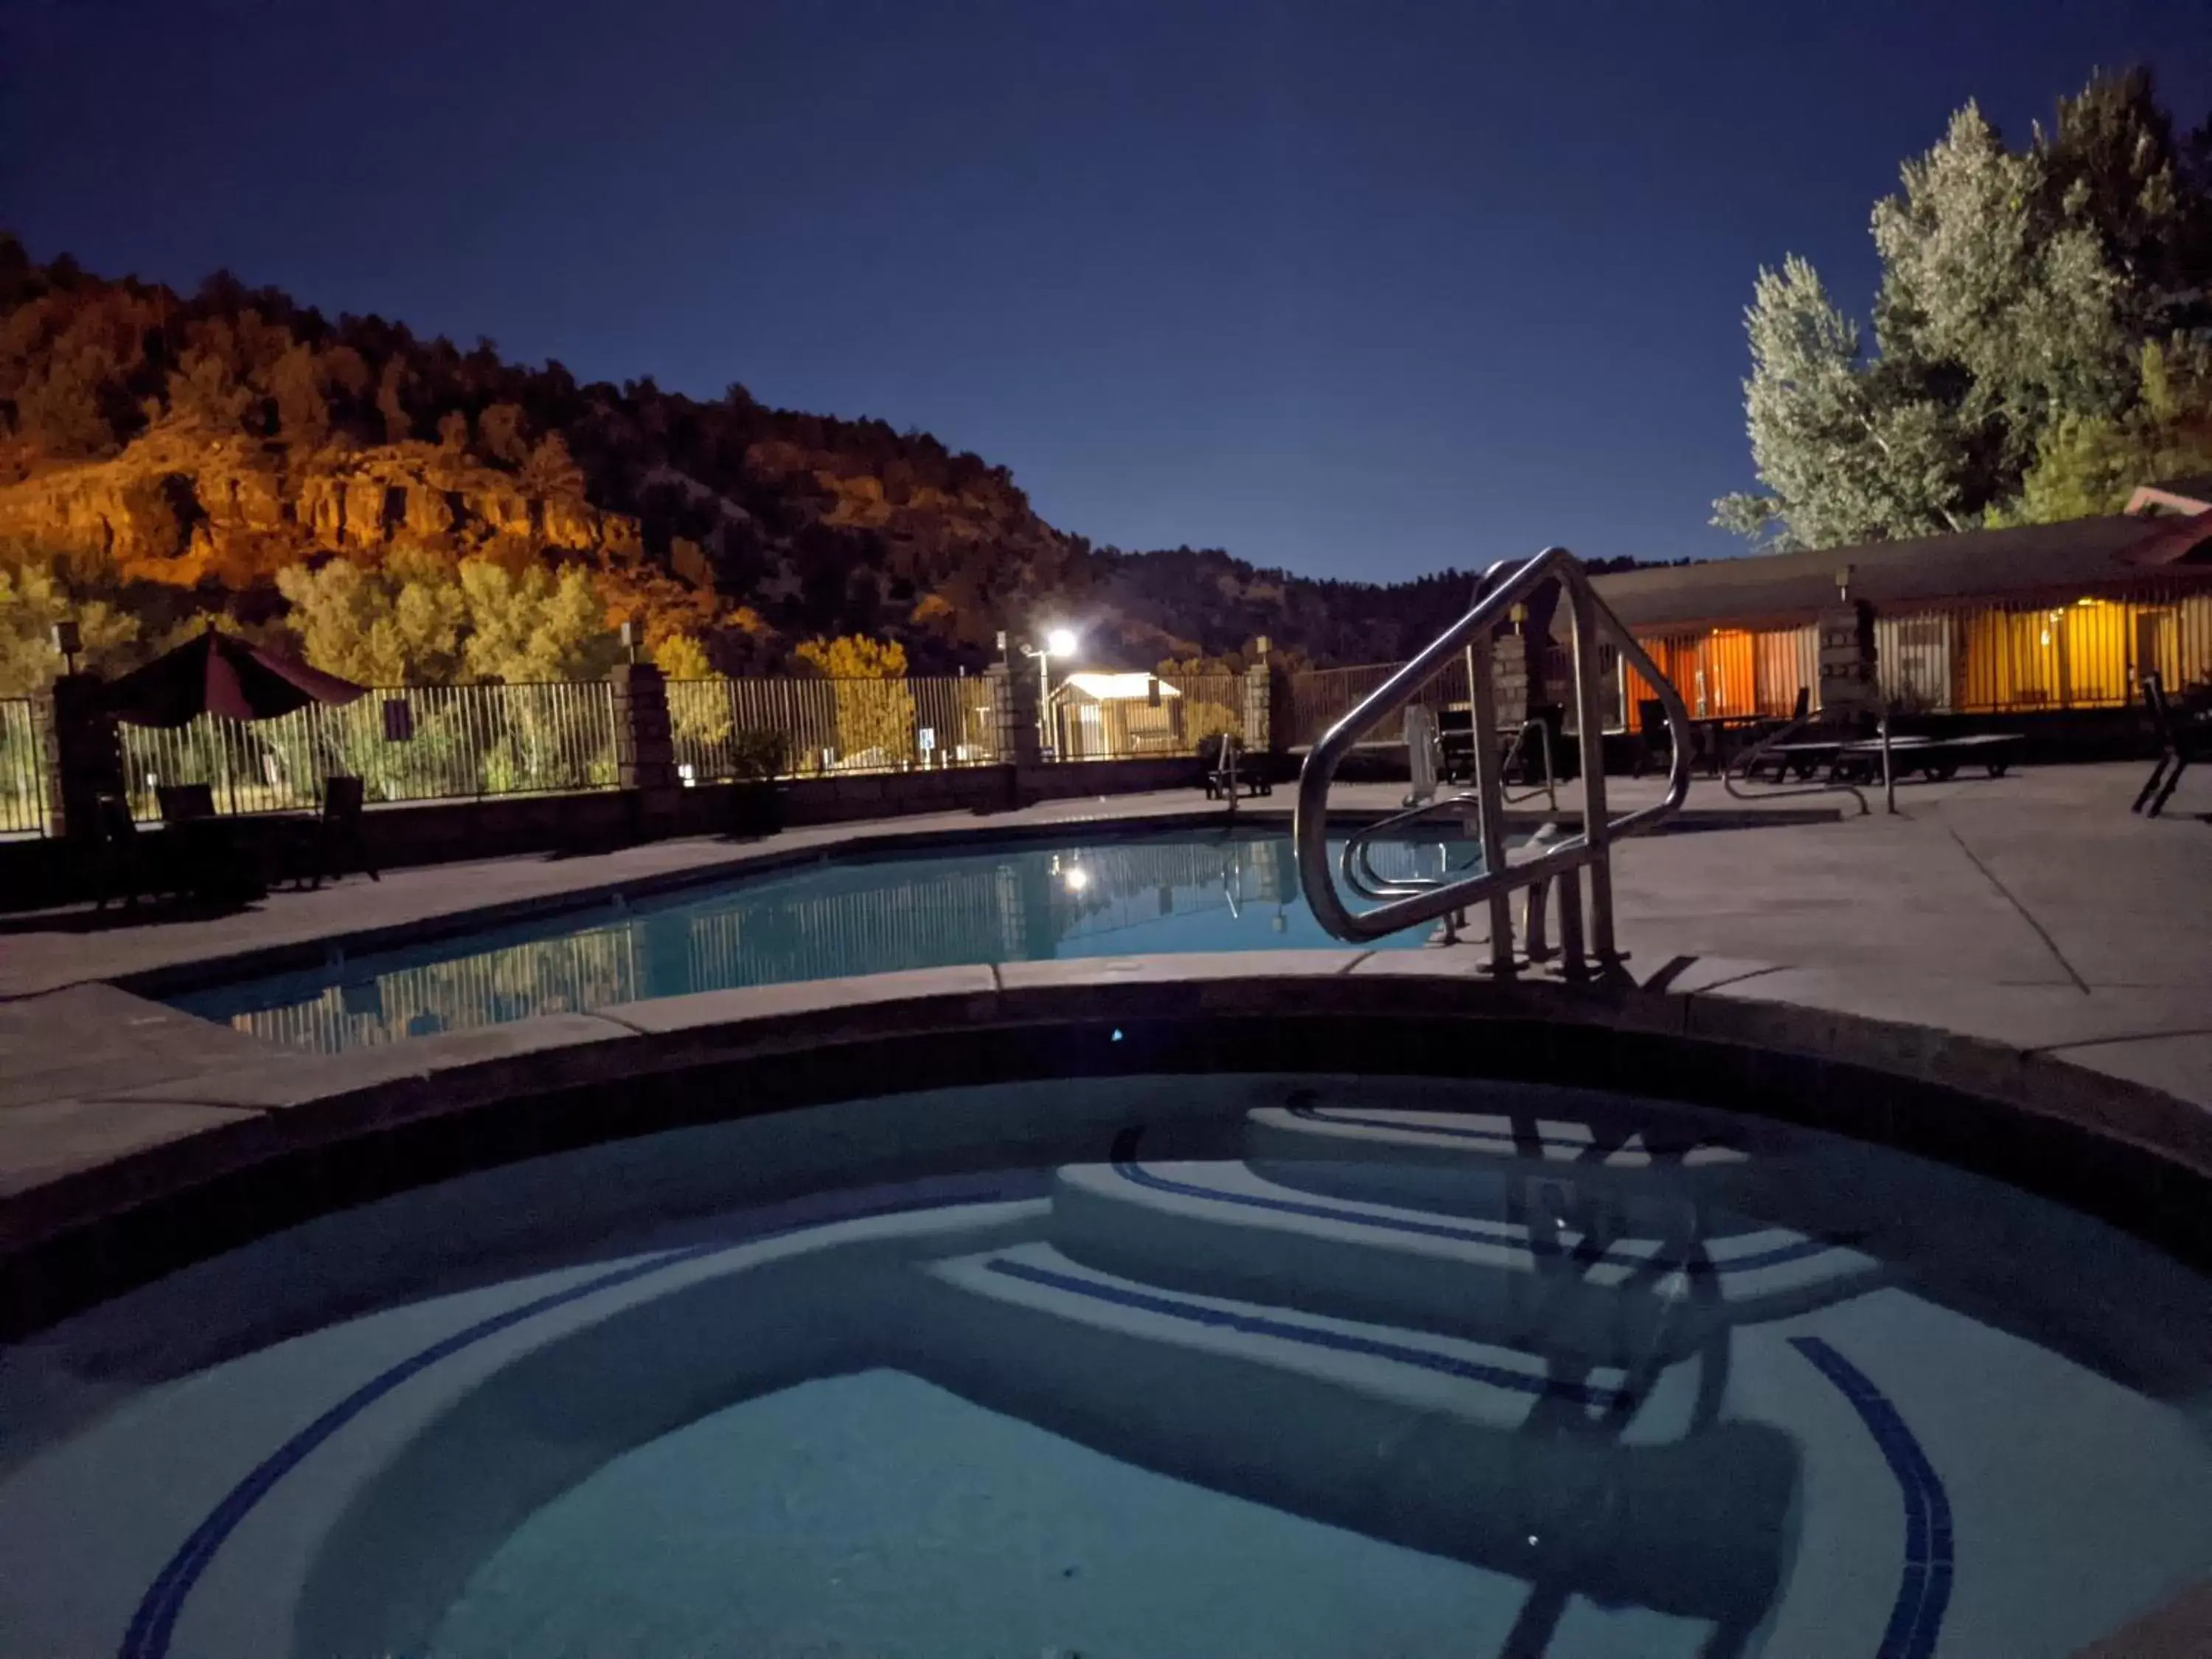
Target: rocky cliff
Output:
[
  {"x": 184, "y": 506},
  {"x": 202, "y": 445}
]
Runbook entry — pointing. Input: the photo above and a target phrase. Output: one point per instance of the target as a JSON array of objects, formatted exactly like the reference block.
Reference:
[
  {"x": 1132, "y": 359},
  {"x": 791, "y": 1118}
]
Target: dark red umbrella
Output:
[{"x": 219, "y": 673}]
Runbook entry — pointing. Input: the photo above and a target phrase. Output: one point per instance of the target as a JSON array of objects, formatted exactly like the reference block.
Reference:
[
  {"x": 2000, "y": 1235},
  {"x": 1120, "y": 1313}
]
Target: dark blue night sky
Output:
[{"x": 1360, "y": 289}]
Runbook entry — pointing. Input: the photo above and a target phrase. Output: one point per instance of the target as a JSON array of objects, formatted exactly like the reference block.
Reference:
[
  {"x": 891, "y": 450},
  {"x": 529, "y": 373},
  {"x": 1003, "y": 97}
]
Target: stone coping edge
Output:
[{"x": 292, "y": 1137}]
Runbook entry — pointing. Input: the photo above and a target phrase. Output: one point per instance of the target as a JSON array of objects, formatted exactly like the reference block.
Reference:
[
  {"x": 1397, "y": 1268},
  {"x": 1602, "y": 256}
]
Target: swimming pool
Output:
[
  {"x": 1169, "y": 1365},
  {"x": 1166, "y": 892}
]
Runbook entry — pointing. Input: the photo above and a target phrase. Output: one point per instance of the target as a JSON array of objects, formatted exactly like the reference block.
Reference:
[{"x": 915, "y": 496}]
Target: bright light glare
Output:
[
  {"x": 1077, "y": 878},
  {"x": 1061, "y": 642}
]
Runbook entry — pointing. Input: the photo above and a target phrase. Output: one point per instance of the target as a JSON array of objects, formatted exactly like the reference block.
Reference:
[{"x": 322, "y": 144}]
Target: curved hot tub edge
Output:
[{"x": 189, "y": 1168}]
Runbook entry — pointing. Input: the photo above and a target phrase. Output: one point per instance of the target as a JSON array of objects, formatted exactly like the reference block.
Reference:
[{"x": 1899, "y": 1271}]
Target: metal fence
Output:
[
  {"x": 413, "y": 742},
  {"x": 722, "y": 726},
  {"x": 23, "y": 769},
  {"x": 1319, "y": 697}
]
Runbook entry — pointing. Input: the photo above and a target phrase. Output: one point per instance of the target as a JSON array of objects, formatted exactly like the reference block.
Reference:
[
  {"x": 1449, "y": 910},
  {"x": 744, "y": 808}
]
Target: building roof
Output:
[
  {"x": 1791, "y": 588},
  {"x": 1107, "y": 688},
  {"x": 2186, "y": 496}
]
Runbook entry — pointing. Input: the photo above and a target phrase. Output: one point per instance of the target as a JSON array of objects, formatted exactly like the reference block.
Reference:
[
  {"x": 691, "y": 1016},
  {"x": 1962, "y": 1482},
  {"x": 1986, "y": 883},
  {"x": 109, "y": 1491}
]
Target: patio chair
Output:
[
  {"x": 1232, "y": 773},
  {"x": 184, "y": 803},
  {"x": 123, "y": 867},
  {"x": 2177, "y": 748},
  {"x": 1654, "y": 737},
  {"x": 339, "y": 843},
  {"x": 198, "y": 850}
]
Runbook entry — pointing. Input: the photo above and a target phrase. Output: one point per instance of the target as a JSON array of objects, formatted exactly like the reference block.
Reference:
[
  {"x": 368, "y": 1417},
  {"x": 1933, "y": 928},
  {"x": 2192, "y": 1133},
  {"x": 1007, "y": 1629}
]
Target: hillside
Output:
[{"x": 172, "y": 456}]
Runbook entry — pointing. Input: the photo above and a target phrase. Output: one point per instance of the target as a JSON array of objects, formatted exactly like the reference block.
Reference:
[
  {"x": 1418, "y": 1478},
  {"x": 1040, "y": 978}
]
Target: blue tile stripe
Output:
[
  {"x": 154, "y": 1623},
  {"x": 1313, "y": 1336},
  {"x": 1924, "y": 1590},
  {"x": 1467, "y": 1232}
]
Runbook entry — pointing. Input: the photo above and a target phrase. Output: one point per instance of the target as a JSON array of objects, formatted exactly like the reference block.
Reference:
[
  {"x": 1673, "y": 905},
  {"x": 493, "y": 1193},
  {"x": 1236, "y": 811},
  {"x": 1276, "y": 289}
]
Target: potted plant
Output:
[{"x": 758, "y": 758}]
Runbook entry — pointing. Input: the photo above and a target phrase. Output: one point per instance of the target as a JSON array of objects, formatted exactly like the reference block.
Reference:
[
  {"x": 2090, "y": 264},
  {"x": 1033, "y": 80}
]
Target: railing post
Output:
[
  {"x": 1489, "y": 794},
  {"x": 1573, "y": 963},
  {"x": 1589, "y": 722}
]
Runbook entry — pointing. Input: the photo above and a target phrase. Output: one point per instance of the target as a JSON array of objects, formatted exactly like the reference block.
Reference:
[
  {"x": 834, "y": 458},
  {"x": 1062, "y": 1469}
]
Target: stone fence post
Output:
[
  {"x": 644, "y": 747},
  {"x": 1014, "y": 716},
  {"x": 1259, "y": 708},
  {"x": 1849, "y": 683},
  {"x": 1511, "y": 675},
  {"x": 81, "y": 753}
]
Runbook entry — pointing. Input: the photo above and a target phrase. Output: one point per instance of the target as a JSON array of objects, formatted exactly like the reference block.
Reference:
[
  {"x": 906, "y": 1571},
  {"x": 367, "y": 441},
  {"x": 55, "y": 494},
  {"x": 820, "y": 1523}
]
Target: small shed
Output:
[{"x": 1112, "y": 716}]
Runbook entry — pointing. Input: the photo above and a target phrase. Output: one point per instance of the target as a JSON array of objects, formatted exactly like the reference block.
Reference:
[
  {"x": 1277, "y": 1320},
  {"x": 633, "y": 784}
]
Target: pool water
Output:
[
  {"x": 1156, "y": 1366},
  {"x": 1179, "y": 892}
]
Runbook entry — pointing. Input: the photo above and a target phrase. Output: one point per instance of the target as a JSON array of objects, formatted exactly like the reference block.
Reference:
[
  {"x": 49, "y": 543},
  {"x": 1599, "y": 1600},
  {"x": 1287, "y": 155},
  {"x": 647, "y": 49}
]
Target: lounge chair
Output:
[{"x": 2177, "y": 747}]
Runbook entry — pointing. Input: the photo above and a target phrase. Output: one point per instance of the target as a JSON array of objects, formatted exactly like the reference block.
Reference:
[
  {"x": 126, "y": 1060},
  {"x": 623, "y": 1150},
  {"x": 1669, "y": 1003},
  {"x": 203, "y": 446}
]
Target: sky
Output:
[{"x": 1361, "y": 289}]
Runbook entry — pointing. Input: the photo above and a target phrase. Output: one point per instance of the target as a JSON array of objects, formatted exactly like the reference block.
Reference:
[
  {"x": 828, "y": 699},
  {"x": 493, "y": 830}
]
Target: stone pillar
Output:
[
  {"x": 83, "y": 758},
  {"x": 1850, "y": 688},
  {"x": 1014, "y": 715},
  {"x": 1259, "y": 708},
  {"x": 1511, "y": 676},
  {"x": 644, "y": 747}
]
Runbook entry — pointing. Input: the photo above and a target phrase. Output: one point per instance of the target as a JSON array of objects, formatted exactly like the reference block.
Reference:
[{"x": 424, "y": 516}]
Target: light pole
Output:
[{"x": 1058, "y": 642}]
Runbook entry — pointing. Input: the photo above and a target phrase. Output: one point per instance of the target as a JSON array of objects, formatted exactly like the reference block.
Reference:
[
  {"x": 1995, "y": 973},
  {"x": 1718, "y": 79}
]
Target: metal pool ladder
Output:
[{"x": 1409, "y": 901}]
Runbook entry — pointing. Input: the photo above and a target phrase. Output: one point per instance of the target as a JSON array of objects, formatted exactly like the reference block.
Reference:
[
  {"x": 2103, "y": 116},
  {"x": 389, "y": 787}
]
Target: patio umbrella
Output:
[{"x": 218, "y": 673}]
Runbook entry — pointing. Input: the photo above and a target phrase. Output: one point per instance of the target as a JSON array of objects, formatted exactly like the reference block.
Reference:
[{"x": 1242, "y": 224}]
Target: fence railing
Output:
[
  {"x": 413, "y": 742},
  {"x": 1320, "y": 697},
  {"x": 830, "y": 725},
  {"x": 23, "y": 769}
]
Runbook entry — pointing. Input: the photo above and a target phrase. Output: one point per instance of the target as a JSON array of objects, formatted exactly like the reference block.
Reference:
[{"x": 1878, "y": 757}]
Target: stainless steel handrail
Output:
[
  {"x": 1502, "y": 587},
  {"x": 1751, "y": 757},
  {"x": 1358, "y": 867}
]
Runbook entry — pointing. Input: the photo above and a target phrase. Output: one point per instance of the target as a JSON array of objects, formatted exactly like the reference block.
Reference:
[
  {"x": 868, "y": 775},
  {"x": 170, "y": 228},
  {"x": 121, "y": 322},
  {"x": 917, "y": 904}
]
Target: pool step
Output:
[
  {"x": 1455, "y": 1448},
  {"x": 1653, "y": 1172},
  {"x": 1223, "y": 1229}
]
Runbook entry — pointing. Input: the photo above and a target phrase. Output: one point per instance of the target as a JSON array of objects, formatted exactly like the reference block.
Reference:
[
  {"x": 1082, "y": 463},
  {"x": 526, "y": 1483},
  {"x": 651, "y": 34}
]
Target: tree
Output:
[
  {"x": 536, "y": 626},
  {"x": 1979, "y": 275},
  {"x": 60, "y": 410},
  {"x": 550, "y": 470},
  {"x": 397, "y": 427},
  {"x": 2018, "y": 290},
  {"x": 875, "y": 720},
  {"x": 1844, "y": 462},
  {"x": 303, "y": 414},
  {"x": 203, "y": 389},
  {"x": 395, "y": 627},
  {"x": 499, "y": 434},
  {"x": 33, "y": 598},
  {"x": 2089, "y": 465},
  {"x": 680, "y": 657}
]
